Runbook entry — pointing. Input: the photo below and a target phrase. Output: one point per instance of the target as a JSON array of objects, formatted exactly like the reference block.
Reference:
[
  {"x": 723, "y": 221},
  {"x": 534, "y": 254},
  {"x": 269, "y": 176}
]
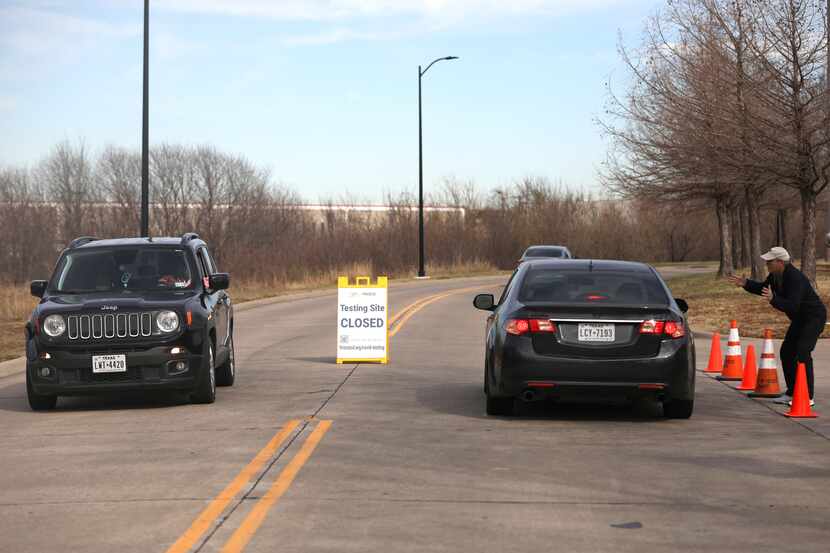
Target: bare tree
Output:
[{"x": 67, "y": 176}]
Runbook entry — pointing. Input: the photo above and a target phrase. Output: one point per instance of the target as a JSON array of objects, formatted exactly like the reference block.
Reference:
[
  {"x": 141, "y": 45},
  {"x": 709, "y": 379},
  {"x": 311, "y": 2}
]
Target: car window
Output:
[
  {"x": 203, "y": 262},
  {"x": 592, "y": 287},
  {"x": 506, "y": 288},
  {"x": 211, "y": 264},
  {"x": 540, "y": 251},
  {"x": 113, "y": 269}
]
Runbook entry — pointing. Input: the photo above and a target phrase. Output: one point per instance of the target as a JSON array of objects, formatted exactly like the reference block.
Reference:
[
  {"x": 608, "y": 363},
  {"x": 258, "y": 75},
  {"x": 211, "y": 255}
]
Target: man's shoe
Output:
[
  {"x": 812, "y": 403},
  {"x": 784, "y": 400}
]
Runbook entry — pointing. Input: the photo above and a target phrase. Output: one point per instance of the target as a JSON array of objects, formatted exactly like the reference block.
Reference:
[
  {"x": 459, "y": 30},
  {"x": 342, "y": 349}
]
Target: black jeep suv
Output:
[{"x": 134, "y": 313}]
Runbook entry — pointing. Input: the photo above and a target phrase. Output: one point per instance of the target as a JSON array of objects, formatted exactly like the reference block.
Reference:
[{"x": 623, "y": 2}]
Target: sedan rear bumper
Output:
[{"x": 521, "y": 369}]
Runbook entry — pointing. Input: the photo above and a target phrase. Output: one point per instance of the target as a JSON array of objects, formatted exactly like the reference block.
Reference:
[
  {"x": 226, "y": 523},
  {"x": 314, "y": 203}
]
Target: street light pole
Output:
[
  {"x": 145, "y": 139},
  {"x": 421, "y": 269}
]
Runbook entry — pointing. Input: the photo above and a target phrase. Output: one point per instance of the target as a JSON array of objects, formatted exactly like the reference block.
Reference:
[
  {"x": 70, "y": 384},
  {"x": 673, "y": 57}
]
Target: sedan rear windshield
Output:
[
  {"x": 586, "y": 287},
  {"x": 545, "y": 252},
  {"x": 123, "y": 269}
]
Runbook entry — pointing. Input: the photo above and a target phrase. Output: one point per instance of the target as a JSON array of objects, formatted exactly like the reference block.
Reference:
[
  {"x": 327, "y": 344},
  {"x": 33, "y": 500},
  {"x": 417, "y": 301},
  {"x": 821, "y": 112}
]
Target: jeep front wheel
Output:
[
  {"x": 206, "y": 389},
  {"x": 37, "y": 401},
  {"x": 226, "y": 373}
]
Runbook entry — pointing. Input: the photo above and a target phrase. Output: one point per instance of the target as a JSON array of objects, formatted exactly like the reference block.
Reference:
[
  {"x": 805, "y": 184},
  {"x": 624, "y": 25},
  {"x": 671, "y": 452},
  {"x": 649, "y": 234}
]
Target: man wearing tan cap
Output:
[{"x": 788, "y": 290}]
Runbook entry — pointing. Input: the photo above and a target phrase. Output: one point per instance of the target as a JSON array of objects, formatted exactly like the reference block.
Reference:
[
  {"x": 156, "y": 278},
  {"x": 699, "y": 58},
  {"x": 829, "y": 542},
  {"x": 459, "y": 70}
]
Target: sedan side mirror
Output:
[
  {"x": 219, "y": 281},
  {"x": 487, "y": 302},
  {"x": 684, "y": 307},
  {"x": 38, "y": 288}
]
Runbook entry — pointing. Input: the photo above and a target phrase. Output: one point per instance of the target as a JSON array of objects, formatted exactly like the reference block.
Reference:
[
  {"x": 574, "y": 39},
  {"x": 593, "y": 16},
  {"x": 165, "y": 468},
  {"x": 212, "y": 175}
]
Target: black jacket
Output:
[{"x": 793, "y": 294}]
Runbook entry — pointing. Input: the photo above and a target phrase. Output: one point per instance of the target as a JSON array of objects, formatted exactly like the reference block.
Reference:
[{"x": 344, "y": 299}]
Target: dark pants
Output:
[{"x": 798, "y": 345}]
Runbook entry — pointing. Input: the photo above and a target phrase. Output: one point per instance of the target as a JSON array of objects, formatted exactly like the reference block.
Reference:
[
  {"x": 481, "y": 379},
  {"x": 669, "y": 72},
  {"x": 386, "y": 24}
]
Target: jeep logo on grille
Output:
[{"x": 109, "y": 308}]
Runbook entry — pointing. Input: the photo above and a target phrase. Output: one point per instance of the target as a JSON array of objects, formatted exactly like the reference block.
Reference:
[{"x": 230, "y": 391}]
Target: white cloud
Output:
[
  {"x": 7, "y": 104},
  {"x": 37, "y": 32},
  {"x": 327, "y": 10},
  {"x": 169, "y": 46},
  {"x": 339, "y": 35},
  {"x": 370, "y": 19}
]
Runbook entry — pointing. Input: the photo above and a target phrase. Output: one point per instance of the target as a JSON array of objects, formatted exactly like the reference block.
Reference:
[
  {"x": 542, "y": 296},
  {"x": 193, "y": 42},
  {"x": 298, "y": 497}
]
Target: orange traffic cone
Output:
[
  {"x": 733, "y": 368},
  {"x": 767, "y": 381},
  {"x": 750, "y": 368},
  {"x": 715, "y": 359},
  {"x": 800, "y": 408}
]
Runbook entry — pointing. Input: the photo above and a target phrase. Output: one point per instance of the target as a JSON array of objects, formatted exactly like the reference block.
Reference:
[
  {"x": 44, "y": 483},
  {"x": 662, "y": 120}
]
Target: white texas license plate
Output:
[
  {"x": 109, "y": 363},
  {"x": 595, "y": 332}
]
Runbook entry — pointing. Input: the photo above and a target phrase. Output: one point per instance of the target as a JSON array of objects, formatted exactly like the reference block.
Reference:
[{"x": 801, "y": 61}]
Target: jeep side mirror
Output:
[
  {"x": 485, "y": 301},
  {"x": 219, "y": 281},
  {"x": 684, "y": 307},
  {"x": 38, "y": 288}
]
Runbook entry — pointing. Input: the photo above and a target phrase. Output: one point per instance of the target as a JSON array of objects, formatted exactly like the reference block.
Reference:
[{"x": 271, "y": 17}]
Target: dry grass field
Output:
[
  {"x": 17, "y": 303},
  {"x": 713, "y": 302}
]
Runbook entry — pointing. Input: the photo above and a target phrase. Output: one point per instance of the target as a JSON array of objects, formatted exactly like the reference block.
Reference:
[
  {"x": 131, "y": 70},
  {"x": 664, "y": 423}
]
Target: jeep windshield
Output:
[{"x": 123, "y": 269}]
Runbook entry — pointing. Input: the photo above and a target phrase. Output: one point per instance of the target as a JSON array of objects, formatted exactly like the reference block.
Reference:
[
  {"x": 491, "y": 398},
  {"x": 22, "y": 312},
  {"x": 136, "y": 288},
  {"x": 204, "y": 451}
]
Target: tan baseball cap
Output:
[{"x": 776, "y": 253}]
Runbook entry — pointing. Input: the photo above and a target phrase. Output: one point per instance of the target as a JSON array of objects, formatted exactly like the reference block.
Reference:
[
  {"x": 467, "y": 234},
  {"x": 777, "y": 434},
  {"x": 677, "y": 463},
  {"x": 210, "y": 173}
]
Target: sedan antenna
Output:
[{"x": 590, "y": 265}]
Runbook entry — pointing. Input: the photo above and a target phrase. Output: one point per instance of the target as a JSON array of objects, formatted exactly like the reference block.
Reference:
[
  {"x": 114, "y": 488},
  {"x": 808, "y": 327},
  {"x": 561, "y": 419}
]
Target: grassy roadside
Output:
[
  {"x": 713, "y": 302},
  {"x": 17, "y": 304}
]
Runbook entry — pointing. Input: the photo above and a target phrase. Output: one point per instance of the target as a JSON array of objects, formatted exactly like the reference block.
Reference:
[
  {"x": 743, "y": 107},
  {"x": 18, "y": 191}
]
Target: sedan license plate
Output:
[
  {"x": 595, "y": 332},
  {"x": 109, "y": 363}
]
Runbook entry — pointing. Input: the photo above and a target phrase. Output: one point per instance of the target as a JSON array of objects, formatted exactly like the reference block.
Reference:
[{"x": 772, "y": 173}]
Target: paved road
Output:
[{"x": 307, "y": 455}]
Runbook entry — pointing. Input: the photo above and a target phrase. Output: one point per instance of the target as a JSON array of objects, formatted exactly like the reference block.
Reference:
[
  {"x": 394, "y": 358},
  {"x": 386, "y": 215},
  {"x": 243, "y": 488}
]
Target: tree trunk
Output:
[
  {"x": 745, "y": 239},
  {"x": 827, "y": 211},
  {"x": 808, "y": 242},
  {"x": 726, "y": 263},
  {"x": 735, "y": 227},
  {"x": 754, "y": 224}
]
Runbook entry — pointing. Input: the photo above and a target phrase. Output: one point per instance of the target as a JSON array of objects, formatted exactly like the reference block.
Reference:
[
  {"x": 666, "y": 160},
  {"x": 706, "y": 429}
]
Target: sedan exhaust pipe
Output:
[{"x": 528, "y": 395}]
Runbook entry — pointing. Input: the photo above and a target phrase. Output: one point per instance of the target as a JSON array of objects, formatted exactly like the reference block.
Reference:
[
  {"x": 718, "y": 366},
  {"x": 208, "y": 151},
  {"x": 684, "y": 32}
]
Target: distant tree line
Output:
[
  {"x": 726, "y": 109},
  {"x": 258, "y": 231}
]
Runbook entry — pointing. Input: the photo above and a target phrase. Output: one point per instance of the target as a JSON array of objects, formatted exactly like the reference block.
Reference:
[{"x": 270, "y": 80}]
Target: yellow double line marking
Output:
[
  {"x": 397, "y": 322},
  {"x": 252, "y": 522},
  {"x": 249, "y": 526}
]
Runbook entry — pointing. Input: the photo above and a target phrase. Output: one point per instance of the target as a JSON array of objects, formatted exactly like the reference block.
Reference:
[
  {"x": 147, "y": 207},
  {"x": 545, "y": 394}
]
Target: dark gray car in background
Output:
[{"x": 549, "y": 252}]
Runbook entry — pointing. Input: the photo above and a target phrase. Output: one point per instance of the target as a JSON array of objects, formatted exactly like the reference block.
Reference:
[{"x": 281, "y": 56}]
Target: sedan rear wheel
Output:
[
  {"x": 499, "y": 406},
  {"x": 678, "y": 408}
]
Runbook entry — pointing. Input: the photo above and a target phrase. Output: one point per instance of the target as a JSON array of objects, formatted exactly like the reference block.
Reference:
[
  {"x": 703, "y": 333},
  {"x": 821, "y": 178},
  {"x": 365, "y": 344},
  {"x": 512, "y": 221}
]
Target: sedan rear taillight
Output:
[
  {"x": 675, "y": 329},
  {"x": 672, "y": 329},
  {"x": 518, "y": 327}
]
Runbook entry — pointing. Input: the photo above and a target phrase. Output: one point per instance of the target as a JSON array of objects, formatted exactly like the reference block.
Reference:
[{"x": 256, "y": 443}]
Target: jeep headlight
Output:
[
  {"x": 54, "y": 325},
  {"x": 167, "y": 321}
]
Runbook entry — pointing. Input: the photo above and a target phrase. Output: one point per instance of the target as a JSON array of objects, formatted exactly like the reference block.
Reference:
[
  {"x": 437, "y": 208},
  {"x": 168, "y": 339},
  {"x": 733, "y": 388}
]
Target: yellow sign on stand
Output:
[{"x": 362, "y": 320}]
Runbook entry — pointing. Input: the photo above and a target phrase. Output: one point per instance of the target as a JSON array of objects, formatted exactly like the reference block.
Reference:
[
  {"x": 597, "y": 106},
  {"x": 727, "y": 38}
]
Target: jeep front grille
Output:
[{"x": 109, "y": 326}]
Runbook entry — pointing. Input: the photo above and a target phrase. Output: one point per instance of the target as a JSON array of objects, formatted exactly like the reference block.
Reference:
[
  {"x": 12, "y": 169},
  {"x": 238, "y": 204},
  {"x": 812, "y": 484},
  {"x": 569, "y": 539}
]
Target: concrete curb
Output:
[{"x": 18, "y": 365}]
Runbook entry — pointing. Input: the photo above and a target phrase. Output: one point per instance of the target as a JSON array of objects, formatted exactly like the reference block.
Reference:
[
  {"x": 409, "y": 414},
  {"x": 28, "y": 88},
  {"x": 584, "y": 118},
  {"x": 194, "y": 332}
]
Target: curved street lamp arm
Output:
[{"x": 447, "y": 58}]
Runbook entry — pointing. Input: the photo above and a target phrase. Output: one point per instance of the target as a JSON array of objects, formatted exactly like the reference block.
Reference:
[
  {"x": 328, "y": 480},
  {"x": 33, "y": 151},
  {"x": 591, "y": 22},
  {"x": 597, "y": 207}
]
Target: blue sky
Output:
[{"x": 324, "y": 92}]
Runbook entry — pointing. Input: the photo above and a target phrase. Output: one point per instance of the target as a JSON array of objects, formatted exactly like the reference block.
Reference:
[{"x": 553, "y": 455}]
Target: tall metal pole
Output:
[
  {"x": 145, "y": 139},
  {"x": 421, "y": 270}
]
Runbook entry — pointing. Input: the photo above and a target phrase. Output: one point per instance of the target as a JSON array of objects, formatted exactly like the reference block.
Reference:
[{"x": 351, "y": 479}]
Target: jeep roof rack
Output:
[
  {"x": 188, "y": 236},
  {"x": 80, "y": 241}
]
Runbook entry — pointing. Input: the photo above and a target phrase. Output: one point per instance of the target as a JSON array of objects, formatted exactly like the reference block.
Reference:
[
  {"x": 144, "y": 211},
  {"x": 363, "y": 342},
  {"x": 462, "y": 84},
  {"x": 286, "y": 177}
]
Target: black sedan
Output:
[{"x": 582, "y": 327}]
